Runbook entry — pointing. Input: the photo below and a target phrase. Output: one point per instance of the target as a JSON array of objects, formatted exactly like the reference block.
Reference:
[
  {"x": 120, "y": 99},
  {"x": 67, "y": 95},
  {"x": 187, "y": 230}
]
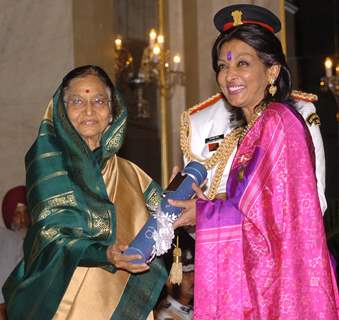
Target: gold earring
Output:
[{"x": 272, "y": 89}]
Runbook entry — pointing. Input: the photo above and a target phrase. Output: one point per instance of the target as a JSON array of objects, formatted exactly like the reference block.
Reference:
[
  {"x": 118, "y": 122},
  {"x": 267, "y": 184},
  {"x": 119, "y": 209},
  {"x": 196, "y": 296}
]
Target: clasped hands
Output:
[{"x": 187, "y": 218}]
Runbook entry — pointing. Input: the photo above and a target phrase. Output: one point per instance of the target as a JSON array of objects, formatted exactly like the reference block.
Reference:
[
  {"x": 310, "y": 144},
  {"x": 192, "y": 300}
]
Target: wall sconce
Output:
[
  {"x": 123, "y": 61},
  {"x": 331, "y": 79},
  {"x": 122, "y": 57},
  {"x": 156, "y": 56},
  {"x": 155, "y": 62}
]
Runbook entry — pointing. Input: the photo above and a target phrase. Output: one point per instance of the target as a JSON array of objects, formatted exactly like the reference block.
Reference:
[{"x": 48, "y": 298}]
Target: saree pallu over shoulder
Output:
[
  {"x": 118, "y": 292},
  {"x": 74, "y": 216},
  {"x": 141, "y": 290},
  {"x": 262, "y": 253}
]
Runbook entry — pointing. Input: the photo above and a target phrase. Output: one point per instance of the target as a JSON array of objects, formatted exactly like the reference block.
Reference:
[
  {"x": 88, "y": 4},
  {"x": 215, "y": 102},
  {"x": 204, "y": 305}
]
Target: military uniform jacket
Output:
[{"x": 210, "y": 122}]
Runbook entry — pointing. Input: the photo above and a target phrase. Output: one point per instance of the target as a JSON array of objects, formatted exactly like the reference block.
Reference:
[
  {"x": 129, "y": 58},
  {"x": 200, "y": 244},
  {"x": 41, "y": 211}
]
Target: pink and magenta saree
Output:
[{"x": 262, "y": 253}]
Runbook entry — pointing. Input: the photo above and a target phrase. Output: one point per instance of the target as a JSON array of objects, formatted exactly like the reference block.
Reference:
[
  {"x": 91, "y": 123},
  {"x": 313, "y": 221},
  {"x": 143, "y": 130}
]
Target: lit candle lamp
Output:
[
  {"x": 118, "y": 43},
  {"x": 337, "y": 70},
  {"x": 161, "y": 40},
  {"x": 152, "y": 37},
  {"x": 156, "y": 52},
  {"x": 176, "y": 61},
  {"x": 328, "y": 67}
]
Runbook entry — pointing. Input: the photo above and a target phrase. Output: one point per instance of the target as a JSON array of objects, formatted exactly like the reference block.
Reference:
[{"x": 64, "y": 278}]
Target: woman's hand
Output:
[
  {"x": 188, "y": 215},
  {"x": 115, "y": 256}
]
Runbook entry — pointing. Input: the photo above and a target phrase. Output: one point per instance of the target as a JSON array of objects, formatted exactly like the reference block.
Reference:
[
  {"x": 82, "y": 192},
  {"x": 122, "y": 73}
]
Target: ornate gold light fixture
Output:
[
  {"x": 122, "y": 57},
  {"x": 159, "y": 66},
  {"x": 331, "y": 79},
  {"x": 156, "y": 58},
  {"x": 123, "y": 61}
]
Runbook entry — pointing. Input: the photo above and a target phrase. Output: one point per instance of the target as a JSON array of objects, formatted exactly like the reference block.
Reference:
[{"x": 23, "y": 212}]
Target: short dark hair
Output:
[
  {"x": 84, "y": 71},
  {"x": 268, "y": 49}
]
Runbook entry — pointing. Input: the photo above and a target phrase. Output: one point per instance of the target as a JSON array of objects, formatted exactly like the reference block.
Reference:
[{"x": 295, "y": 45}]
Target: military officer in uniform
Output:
[{"x": 209, "y": 134}]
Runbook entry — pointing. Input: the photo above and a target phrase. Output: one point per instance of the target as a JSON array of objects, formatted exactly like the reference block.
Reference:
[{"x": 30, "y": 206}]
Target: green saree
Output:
[{"x": 81, "y": 202}]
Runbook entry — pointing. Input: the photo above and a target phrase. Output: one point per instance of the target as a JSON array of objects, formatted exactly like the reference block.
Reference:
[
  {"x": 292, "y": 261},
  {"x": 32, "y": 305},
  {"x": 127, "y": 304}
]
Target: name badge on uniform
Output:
[{"x": 213, "y": 143}]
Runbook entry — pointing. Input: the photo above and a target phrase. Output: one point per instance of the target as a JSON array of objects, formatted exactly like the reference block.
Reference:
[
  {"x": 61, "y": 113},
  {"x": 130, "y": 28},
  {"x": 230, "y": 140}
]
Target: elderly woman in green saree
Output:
[{"x": 86, "y": 205}]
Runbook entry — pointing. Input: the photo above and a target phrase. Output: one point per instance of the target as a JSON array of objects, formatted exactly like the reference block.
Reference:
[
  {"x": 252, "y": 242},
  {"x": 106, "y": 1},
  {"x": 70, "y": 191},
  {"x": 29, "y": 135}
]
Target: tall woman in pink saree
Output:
[{"x": 261, "y": 253}]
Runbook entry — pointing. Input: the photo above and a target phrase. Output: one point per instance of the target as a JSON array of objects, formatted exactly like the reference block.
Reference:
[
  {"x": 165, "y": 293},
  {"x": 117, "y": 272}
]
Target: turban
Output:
[{"x": 10, "y": 201}]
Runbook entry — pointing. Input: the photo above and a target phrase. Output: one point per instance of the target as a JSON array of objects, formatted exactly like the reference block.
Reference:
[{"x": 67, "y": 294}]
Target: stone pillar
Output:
[
  {"x": 93, "y": 33},
  {"x": 41, "y": 41},
  {"x": 177, "y": 102},
  {"x": 36, "y": 50}
]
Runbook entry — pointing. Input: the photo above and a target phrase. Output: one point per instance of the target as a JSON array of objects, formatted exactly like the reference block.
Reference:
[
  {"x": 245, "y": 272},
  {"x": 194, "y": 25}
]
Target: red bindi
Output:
[{"x": 87, "y": 90}]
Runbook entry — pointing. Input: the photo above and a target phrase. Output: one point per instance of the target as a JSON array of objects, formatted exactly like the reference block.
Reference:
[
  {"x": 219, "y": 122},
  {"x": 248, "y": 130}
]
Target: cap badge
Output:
[{"x": 236, "y": 17}]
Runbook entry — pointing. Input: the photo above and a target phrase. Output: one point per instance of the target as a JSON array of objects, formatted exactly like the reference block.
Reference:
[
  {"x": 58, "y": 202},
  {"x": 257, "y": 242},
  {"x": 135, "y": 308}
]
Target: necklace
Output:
[
  {"x": 222, "y": 154},
  {"x": 256, "y": 114}
]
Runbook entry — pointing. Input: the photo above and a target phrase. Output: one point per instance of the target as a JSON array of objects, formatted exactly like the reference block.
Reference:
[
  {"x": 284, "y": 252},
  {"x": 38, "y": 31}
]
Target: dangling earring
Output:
[{"x": 272, "y": 89}]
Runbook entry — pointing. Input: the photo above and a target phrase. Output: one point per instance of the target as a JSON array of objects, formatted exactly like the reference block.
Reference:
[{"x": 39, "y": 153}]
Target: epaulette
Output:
[
  {"x": 300, "y": 95},
  {"x": 203, "y": 105}
]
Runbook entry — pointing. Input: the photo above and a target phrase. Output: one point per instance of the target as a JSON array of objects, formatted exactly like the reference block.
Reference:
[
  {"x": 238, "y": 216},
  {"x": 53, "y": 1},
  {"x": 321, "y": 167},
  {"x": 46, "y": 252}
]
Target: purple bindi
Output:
[{"x": 229, "y": 56}]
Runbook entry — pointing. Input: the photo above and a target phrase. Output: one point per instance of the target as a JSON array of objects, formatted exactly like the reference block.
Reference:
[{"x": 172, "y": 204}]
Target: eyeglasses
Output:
[{"x": 79, "y": 102}]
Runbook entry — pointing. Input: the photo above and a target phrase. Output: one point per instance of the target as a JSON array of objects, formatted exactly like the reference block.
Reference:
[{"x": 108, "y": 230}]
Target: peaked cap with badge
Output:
[{"x": 239, "y": 14}]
